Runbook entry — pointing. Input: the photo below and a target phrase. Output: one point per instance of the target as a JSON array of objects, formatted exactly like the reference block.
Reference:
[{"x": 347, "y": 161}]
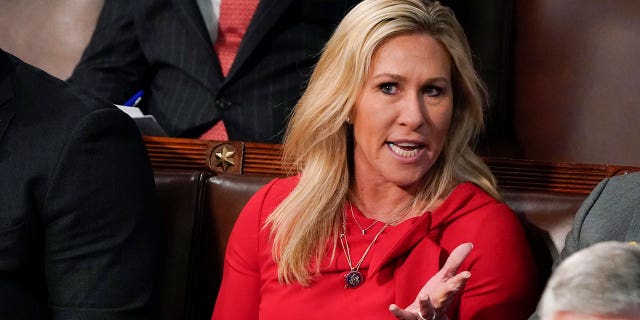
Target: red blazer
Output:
[{"x": 503, "y": 284}]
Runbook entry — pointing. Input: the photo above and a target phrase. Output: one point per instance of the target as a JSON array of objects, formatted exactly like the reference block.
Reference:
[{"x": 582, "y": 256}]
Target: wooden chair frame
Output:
[{"x": 253, "y": 158}]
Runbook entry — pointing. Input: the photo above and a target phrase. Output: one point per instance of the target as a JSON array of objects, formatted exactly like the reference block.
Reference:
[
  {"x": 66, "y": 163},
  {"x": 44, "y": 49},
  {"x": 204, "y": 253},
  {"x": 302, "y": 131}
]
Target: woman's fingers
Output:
[
  {"x": 427, "y": 310},
  {"x": 450, "y": 289},
  {"x": 456, "y": 258},
  {"x": 401, "y": 313},
  {"x": 443, "y": 286}
]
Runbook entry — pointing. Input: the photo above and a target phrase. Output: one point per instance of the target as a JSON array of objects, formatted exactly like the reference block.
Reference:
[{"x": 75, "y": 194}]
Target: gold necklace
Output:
[
  {"x": 364, "y": 230},
  {"x": 354, "y": 278}
]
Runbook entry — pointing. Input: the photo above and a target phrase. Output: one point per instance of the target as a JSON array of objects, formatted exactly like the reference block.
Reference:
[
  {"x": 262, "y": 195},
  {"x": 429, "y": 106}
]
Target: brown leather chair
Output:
[
  {"x": 226, "y": 196},
  {"x": 189, "y": 279},
  {"x": 198, "y": 210},
  {"x": 546, "y": 217}
]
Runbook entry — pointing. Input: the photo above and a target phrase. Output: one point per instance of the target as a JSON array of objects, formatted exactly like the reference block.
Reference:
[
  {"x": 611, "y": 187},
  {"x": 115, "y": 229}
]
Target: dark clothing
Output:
[
  {"x": 163, "y": 47},
  {"x": 76, "y": 240}
]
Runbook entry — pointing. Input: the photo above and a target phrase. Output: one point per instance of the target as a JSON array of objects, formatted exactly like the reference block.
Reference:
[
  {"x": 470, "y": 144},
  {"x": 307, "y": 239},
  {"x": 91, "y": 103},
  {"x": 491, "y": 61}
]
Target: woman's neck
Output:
[
  {"x": 389, "y": 202},
  {"x": 383, "y": 203}
]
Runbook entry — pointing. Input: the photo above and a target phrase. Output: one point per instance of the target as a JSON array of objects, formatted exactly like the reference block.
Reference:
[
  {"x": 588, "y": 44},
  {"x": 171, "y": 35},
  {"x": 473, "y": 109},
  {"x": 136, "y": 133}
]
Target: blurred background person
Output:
[
  {"x": 214, "y": 69},
  {"x": 610, "y": 212},
  {"x": 601, "y": 282},
  {"x": 388, "y": 187},
  {"x": 77, "y": 220}
]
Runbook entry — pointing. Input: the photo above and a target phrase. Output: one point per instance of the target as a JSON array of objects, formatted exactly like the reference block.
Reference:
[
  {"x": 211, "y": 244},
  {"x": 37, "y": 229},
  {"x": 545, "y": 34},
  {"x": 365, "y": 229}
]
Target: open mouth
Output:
[{"x": 405, "y": 149}]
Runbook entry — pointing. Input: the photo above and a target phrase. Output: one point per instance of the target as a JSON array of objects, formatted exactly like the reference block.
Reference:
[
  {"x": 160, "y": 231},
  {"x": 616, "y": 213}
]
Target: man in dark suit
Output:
[
  {"x": 163, "y": 47},
  {"x": 76, "y": 225},
  {"x": 610, "y": 212}
]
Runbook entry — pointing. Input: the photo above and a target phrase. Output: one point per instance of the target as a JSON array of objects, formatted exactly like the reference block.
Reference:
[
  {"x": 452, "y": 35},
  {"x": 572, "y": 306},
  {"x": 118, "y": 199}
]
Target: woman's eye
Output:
[
  {"x": 433, "y": 91},
  {"x": 389, "y": 88}
]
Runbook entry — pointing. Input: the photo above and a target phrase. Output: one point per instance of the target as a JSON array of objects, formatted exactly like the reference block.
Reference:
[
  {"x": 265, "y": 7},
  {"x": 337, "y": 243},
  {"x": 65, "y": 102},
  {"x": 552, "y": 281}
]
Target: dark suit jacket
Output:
[
  {"x": 610, "y": 212},
  {"x": 163, "y": 46},
  {"x": 75, "y": 203}
]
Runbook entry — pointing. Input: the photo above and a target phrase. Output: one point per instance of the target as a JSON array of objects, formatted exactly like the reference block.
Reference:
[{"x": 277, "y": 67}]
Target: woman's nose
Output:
[{"x": 412, "y": 112}]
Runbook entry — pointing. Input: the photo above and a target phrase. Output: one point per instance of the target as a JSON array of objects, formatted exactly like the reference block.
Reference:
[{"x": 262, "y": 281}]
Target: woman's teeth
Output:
[{"x": 405, "y": 150}]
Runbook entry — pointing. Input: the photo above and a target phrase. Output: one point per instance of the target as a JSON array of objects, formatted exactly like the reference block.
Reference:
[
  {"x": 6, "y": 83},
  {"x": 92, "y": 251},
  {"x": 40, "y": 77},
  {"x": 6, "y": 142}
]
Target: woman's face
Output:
[{"x": 402, "y": 116}]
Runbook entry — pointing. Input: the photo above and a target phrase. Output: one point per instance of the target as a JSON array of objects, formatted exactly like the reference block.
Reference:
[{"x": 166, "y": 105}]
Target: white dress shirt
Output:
[{"x": 210, "y": 10}]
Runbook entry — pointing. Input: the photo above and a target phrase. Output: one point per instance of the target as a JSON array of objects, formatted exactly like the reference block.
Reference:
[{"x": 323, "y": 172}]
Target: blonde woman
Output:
[{"x": 387, "y": 187}]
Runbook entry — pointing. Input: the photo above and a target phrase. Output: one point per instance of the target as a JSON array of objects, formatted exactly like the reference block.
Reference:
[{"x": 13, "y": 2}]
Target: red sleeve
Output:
[
  {"x": 239, "y": 295},
  {"x": 504, "y": 280}
]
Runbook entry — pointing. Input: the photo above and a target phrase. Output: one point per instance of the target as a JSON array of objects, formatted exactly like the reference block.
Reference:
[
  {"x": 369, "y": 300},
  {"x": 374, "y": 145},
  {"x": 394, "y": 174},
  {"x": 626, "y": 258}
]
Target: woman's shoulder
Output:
[
  {"x": 268, "y": 197},
  {"x": 468, "y": 197},
  {"x": 262, "y": 203},
  {"x": 469, "y": 207},
  {"x": 279, "y": 187}
]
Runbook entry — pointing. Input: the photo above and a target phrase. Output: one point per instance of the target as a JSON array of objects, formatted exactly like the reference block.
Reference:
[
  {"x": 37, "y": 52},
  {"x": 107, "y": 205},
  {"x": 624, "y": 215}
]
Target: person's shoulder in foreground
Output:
[
  {"x": 610, "y": 212},
  {"x": 76, "y": 220},
  {"x": 600, "y": 282}
]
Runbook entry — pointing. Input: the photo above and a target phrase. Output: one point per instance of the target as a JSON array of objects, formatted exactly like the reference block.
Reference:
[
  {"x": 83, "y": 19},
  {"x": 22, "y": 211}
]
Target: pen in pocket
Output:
[{"x": 134, "y": 100}]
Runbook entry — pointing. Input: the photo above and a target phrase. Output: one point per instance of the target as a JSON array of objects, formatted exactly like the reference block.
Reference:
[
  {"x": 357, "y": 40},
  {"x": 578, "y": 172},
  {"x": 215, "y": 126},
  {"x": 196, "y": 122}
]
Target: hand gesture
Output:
[{"x": 434, "y": 298}]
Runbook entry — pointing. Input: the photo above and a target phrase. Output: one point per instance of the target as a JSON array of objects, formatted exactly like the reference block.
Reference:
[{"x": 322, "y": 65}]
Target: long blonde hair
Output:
[{"x": 316, "y": 138}]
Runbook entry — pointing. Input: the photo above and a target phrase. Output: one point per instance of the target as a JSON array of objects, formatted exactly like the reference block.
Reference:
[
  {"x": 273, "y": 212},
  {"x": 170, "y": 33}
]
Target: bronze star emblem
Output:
[{"x": 224, "y": 158}]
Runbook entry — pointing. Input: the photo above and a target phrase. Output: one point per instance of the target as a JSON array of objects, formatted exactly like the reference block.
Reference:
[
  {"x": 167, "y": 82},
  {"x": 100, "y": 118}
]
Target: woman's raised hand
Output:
[{"x": 434, "y": 298}]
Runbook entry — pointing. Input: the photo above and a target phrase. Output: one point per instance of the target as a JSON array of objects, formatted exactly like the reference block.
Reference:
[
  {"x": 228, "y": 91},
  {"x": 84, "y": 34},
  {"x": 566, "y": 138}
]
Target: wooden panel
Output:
[
  {"x": 575, "y": 84},
  {"x": 562, "y": 177},
  {"x": 252, "y": 158}
]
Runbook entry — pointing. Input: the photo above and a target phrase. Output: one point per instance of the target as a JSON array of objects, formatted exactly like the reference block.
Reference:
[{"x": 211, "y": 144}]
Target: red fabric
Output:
[
  {"x": 217, "y": 132},
  {"x": 235, "y": 16},
  {"x": 503, "y": 284}
]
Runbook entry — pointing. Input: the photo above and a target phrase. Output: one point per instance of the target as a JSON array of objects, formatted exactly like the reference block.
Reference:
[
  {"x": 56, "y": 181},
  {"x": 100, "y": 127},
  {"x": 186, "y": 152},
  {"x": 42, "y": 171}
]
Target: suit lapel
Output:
[
  {"x": 6, "y": 93},
  {"x": 192, "y": 17},
  {"x": 266, "y": 15}
]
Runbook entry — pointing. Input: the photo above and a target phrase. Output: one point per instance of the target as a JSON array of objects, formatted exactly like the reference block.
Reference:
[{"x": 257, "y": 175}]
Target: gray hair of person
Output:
[{"x": 601, "y": 280}]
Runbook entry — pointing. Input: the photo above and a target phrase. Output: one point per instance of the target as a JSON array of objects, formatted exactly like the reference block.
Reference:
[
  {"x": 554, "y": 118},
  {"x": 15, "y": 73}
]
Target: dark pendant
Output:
[{"x": 353, "y": 279}]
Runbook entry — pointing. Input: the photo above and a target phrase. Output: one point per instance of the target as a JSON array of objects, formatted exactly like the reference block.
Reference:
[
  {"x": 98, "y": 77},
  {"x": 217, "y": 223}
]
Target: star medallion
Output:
[{"x": 224, "y": 158}]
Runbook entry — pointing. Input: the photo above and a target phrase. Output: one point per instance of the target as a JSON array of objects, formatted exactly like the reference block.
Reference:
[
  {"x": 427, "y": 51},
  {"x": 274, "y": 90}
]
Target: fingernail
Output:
[
  {"x": 467, "y": 274},
  {"x": 392, "y": 307}
]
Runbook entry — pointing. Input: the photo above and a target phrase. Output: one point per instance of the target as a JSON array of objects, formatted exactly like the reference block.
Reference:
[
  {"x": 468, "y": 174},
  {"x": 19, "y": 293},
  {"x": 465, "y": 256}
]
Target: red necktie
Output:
[{"x": 235, "y": 16}]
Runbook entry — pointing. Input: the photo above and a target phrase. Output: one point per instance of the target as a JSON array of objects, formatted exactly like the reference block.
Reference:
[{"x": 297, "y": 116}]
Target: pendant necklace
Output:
[
  {"x": 354, "y": 278},
  {"x": 364, "y": 230}
]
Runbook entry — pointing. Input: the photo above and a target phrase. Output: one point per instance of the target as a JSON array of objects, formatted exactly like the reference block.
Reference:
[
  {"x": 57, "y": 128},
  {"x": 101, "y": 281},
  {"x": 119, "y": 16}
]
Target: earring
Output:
[{"x": 348, "y": 120}]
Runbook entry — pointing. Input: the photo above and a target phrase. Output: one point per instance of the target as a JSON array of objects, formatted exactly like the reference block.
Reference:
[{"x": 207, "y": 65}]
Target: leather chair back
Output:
[
  {"x": 188, "y": 279},
  {"x": 546, "y": 216}
]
